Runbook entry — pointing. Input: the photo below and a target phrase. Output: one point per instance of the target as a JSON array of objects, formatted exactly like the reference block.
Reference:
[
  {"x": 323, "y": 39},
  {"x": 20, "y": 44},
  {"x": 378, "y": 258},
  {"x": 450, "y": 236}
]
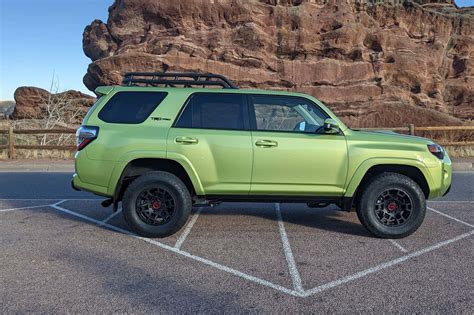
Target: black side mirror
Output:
[{"x": 331, "y": 126}]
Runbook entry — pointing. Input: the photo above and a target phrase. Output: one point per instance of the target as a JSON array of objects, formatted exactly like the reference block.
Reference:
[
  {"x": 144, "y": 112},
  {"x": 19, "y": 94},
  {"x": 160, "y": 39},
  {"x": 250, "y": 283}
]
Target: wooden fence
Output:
[{"x": 11, "y": 146}]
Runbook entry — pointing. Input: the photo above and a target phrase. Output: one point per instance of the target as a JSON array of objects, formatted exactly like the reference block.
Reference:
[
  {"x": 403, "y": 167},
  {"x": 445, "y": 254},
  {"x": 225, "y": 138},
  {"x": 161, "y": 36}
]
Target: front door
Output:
[
  {"x": 292, "y": 153},
  {"x": 212, "y": 135}
]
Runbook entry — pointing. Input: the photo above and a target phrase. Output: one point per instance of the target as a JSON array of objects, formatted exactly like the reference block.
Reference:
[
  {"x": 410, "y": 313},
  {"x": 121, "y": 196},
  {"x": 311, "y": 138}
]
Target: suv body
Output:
[{"x": 248, "y": 145}]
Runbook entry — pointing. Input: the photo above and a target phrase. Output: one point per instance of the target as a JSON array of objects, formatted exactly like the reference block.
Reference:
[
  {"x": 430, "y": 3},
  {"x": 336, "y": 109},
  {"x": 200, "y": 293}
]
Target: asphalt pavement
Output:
[{"x": 63, "y": 252}]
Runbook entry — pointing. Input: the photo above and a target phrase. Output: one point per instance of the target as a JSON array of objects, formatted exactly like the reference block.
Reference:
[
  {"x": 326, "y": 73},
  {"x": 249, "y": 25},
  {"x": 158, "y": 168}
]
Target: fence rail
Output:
[{"x": 12, "y": 147}]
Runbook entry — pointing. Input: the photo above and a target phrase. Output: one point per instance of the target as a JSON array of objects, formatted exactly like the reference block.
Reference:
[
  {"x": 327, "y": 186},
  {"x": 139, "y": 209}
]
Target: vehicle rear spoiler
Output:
[{"x": 103, "y": 90}]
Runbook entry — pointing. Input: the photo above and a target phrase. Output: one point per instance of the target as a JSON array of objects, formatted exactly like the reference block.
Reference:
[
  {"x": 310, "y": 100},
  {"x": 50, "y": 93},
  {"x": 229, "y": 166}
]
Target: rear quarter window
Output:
[{"x": 131, "y": 107}]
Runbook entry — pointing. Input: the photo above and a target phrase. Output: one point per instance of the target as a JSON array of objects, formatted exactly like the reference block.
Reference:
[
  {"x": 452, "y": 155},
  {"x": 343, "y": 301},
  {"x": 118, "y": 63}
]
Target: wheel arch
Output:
[
  {"x": 413, "y": 169},
  {"x": 135, "y": 167}
]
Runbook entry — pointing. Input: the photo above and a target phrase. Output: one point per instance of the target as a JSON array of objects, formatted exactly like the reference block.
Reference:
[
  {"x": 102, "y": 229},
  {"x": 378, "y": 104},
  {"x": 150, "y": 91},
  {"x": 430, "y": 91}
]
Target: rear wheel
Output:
[
  {"x": 157, "y": 204},
  {"x": 391, "y": 205}
]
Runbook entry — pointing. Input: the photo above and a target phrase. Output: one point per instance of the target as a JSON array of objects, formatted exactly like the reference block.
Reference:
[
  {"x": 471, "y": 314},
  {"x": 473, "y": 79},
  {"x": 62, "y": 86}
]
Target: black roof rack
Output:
[{"x": 172, "y": 79}]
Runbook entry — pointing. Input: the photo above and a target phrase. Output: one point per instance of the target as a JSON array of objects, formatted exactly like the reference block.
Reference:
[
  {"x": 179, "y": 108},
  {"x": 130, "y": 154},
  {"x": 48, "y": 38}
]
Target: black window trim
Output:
[
  {"x": 125, "y": 92},
  {"x": 245, "y": 109},
  {"x": 253, "y": 118}
]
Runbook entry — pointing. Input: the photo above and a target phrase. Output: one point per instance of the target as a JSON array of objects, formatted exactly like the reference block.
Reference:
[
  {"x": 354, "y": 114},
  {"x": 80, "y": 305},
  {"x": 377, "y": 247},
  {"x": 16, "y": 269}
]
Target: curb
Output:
[
  {"x": 33, "y": 169},
  {"x": 37, "y": 166},
  {"x": 463, "y": 166}
]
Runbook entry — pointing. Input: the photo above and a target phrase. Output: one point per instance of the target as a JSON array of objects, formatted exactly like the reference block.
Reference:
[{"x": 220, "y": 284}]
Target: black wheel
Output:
[
  {"x": 391, "y": 205},
  {"x": 157, "y": 204}
]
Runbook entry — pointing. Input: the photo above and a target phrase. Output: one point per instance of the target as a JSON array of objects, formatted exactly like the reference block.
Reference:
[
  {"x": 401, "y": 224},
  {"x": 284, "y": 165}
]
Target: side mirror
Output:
[{"x": 331, "y": 126}]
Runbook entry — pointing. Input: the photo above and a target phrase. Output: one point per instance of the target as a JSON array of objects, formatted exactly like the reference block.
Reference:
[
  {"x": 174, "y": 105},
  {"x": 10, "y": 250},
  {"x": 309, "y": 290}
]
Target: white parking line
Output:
[
  {"x": 225, "y": 268},
  {"x": 111, "y": 216},
  {"x": 23, "y": 208},
  {"x": 188, "y": 228},
  {"x": 385, "y": 265},
  {"x": 55, "y": 206},
  {"x": 450, "y": 217},
  {"x": 298, "y": 291},
  {"x": 186, "y": 254},
  {"x": 397, "y": 245},
  {"x": 60, "y": 202},
  {"x": 295, "y": 275}
]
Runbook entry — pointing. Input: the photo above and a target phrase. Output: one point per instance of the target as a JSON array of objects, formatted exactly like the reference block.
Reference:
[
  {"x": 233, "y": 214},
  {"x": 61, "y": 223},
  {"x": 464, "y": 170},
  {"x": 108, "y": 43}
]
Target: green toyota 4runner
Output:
[{"x": 164, "y": 142}]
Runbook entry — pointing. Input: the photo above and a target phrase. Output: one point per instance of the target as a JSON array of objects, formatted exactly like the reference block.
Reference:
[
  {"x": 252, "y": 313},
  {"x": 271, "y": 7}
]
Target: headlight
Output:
[{"x": 436, "y": 150}]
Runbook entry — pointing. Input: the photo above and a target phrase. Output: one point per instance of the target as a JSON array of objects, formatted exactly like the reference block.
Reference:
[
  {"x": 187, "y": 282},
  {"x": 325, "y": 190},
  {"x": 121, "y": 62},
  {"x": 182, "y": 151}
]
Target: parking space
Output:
[{"x": 71, "y": 255}]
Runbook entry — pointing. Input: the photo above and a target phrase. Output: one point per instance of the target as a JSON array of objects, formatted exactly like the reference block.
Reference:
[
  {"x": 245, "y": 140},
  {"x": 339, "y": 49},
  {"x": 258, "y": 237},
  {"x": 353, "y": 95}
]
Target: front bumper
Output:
[
  {"x": 447, "y": 191},
  {"x": 442, "y": 178}
]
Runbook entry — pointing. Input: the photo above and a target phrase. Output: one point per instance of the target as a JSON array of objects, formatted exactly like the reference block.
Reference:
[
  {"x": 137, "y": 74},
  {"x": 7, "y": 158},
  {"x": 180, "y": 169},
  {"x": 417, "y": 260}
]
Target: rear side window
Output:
[
  {"x": 213, "y": 111},
  {"x": 131, "y": 107}
]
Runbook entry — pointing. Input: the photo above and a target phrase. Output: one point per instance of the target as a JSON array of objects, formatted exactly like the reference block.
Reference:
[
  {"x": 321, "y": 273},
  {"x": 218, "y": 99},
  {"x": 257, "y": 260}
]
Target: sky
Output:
[
  {"x": 40, "y": 39},
  {"x": 464, "y": 3}
]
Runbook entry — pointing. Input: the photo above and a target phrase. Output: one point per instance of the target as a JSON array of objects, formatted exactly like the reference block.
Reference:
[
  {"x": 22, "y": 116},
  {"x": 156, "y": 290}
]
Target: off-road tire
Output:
[
  {"x": 160, "y": 180},
  {"x": 371, "y": 191}
]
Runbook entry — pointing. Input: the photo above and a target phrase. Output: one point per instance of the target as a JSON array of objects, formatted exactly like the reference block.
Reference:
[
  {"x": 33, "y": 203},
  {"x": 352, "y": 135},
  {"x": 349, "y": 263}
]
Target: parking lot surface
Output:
[{"x": 63, "y": 252}]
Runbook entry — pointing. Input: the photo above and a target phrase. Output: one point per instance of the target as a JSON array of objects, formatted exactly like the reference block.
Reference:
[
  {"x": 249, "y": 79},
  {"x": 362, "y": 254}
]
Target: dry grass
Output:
[
  {"x": 448, "y": 136},
  {"x": 464, "y": 151},
  {"x": 66, "y": 139},
  {"x": 39, "y": 154}
]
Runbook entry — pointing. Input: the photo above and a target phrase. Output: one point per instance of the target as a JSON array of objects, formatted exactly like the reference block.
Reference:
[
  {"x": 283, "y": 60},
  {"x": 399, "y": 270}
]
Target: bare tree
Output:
[{"x": 58, "y": 110}]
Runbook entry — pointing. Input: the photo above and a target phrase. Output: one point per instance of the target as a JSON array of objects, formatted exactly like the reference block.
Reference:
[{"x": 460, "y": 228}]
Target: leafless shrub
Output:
[{"x": 59, "y": 111}]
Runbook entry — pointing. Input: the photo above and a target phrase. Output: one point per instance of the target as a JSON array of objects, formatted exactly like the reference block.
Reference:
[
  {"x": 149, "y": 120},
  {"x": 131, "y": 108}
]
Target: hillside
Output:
[{"x": 374, "y": 65}]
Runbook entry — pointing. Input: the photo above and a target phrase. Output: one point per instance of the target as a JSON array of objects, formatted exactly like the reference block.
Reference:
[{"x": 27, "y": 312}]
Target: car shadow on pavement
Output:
[{"x": 326, "y": 219}]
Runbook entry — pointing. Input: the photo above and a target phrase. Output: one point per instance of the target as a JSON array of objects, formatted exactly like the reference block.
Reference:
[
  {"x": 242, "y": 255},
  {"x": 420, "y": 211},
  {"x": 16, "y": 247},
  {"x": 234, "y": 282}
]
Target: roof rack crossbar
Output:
[{"x": 171, "y": 79}]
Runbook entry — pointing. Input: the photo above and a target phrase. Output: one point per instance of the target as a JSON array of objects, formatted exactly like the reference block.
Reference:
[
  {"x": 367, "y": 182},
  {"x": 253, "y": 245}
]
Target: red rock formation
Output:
[
  {"x": 373, "y": 65},
  {"x": 30, "y": 101}
]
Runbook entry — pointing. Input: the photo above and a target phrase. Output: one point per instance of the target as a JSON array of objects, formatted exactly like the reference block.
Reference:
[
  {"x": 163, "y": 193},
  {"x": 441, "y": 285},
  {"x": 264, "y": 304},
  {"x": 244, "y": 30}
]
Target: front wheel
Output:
[
  {"x": 157, "y": 204},
  {"x": 391, "y": 205}
]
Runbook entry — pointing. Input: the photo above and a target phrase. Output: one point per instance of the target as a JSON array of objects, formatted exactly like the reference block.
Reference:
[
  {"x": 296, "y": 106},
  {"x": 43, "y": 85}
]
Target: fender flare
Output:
[
  {"x": 356, "y": 179},
  {"x": 127, "y": 158}
]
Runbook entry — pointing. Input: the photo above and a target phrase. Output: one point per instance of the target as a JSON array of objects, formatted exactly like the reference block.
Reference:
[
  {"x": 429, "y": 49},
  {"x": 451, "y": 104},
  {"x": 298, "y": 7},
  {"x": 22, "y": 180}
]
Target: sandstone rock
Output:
[
  {"x": 30, "y": 101},
  {"x": 374, "y": 65}
]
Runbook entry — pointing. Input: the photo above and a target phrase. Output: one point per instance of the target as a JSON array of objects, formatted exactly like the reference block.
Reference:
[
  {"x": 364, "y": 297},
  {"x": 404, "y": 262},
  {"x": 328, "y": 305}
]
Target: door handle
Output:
[
  {"x": 266, "y": 143},
  {"x": 186, "y": 140}
]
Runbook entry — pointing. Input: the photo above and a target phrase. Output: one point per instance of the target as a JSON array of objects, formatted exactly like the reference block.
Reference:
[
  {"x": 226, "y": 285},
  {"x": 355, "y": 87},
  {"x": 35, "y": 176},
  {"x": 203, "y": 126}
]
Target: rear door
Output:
[
  {"x": 212, "y": 133},
  {"x": 292, "y": 153}
]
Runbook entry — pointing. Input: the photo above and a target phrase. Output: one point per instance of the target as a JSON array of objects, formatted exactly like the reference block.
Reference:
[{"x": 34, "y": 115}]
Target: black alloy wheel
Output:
[
  {"x": 155, "y": 206},
  {"x": 393, "y": 207}
]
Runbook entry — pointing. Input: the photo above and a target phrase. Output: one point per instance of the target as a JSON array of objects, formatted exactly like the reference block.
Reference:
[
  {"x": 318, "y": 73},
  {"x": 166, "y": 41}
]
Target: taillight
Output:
[
  {"x": 85, "y": 135},
  {"x": 436, "y": 150}
]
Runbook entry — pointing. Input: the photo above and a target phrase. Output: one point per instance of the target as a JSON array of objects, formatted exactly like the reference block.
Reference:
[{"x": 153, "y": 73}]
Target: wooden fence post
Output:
[
  {"x": 412, "y": 129},
  {"x": 11, "y": 143}
]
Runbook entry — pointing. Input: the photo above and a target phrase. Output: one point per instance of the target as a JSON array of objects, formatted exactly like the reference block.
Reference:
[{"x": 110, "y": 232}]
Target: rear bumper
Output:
[
  {"x": 74, "y": 187},
  {"x": 77, "y": 184}
]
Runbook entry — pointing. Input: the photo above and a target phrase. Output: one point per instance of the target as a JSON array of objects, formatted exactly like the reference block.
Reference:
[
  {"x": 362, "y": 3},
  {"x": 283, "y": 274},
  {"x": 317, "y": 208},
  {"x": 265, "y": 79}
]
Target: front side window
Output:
[
  {"x": 213, "y": 111},
  {"x": 131, "y": 107},
  {"x": 286, "y": 113}
]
